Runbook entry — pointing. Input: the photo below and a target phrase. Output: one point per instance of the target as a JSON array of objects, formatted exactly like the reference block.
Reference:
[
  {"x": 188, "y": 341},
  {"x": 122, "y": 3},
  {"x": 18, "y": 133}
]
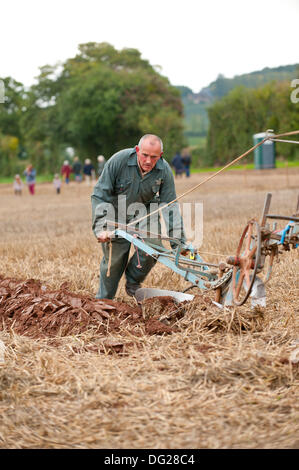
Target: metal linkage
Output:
[{"x": 172, "y": 260}]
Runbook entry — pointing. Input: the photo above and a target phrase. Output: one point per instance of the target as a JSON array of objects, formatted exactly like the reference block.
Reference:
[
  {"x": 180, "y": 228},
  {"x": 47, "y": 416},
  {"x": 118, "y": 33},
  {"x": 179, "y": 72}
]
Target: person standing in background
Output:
[
  {"x": 187, "y": 163},
  {"x": 57, "y": 183},
  {"x": 101, "y": 164},
  {"x": 77, "y": 169},
  {"x": 30, "y": 174},
  {"x": 88, "y": 170},
  {"x": 177, "y": 163},
  {"x": 18, "y": 185},
  {"x": 66, "y": 170}
]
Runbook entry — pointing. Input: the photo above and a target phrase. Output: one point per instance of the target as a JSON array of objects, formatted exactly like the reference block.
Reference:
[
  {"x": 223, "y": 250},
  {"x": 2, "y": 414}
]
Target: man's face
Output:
[{"x": 148, "y": 154}]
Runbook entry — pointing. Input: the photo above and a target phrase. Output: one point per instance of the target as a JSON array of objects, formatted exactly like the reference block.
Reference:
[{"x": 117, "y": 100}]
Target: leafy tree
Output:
[
  {"x": 243, "y": 112},
  {"x": 101, "y": 101},
  {"x": 12, "y": 108},
  {"x": 10, "y": 126}
]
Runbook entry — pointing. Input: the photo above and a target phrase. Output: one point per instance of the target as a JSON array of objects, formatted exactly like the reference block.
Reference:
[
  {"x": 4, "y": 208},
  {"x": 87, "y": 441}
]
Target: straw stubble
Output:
[{"x": 215, "y": 379}]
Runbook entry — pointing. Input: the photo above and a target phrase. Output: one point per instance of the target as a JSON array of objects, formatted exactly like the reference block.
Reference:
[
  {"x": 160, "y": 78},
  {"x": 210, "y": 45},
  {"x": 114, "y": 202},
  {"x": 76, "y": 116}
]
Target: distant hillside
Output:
[
  {"x": 221, "y": 86},
  {"x": 195, "y": 104}
]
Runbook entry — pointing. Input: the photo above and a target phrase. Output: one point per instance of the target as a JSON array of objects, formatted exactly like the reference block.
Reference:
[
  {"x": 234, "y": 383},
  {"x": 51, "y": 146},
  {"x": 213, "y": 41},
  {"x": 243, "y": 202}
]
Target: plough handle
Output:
[{"x": 266, "y": 209}]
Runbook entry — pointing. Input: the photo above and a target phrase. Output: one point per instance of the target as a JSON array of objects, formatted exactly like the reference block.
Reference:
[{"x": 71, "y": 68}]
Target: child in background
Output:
[
  {"x": 57, "y": 183},
  {"x": 66, "y": 170},
  {"x": 18, "y": 185},
  {"x": 30, "y": 174}
]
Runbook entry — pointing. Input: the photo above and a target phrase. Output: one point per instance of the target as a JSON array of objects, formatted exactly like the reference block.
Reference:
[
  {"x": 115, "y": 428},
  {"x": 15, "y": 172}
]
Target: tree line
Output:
[
  {"x": 103, "y": 100},
  {"x": 97, "y": 102}
]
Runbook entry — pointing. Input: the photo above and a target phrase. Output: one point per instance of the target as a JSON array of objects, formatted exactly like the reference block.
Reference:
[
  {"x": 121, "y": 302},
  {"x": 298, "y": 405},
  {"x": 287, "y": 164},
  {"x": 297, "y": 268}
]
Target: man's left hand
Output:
[{"x": 187, "y": 250}]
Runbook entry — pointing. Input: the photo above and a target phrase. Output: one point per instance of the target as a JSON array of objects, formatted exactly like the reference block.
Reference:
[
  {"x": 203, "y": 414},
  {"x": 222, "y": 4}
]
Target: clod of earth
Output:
[{"x": 32, "y": 309}]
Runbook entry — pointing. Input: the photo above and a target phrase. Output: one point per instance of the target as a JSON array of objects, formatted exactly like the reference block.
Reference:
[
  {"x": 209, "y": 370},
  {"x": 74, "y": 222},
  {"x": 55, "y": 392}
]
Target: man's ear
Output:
[
  {"x": 161, "y": 154},
  {"x": 136, "y": 148}
]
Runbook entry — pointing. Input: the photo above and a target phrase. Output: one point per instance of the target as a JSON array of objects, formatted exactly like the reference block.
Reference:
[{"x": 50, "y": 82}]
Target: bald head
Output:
[
  {"x": 149, "y": 150},
  {"x": 151, "y": 140}
]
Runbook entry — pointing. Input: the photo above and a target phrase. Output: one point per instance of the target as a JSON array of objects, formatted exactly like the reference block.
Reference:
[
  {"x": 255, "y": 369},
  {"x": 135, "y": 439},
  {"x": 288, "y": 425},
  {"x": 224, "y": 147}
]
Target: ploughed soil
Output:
[{"x": 30, "y": 308}]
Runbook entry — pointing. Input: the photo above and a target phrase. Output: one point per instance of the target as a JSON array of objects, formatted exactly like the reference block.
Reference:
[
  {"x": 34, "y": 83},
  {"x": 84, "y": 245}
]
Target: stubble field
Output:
[{"x": 210, "y": 379}]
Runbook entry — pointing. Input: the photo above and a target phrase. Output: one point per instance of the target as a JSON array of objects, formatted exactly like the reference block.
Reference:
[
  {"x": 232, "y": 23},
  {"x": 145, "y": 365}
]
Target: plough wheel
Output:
[{"x": 246, "y": 262}]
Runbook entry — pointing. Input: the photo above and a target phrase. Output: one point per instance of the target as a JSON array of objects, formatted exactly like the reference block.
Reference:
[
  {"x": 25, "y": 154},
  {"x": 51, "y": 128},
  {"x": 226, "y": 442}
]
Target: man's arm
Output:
[
  {"x": 171, "y": 214},
  {"x": 101, "y": 201}
]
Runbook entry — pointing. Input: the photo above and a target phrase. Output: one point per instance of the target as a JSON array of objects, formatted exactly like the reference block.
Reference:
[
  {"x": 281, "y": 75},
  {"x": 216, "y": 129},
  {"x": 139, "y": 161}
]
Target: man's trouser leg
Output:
[
  {"x": 119, "y": 259},
  {"x": 135, "y": 274}
]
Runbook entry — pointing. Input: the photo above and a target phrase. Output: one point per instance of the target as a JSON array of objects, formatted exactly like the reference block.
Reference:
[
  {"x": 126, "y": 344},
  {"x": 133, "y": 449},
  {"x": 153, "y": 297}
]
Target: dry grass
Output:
[{"x": 221, "y": 380}]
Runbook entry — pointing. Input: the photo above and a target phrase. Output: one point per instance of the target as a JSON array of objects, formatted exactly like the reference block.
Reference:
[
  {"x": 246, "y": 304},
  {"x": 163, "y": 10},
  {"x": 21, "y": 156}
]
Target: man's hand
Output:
[
  {"x": 187, "y": 250},
  {"x": 104, "y": 237}
]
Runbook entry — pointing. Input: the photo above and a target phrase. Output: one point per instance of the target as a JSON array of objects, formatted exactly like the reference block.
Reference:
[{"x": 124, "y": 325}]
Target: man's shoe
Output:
[{"x": 131, "y": 289}]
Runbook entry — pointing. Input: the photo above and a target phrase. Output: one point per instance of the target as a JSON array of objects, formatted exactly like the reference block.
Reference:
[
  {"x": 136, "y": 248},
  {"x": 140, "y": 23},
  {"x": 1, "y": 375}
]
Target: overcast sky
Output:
[{"x": 192, "y": 40}]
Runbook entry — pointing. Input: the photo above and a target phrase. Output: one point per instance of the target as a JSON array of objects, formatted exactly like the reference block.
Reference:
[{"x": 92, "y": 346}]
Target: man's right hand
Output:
[{"x": 104, "y": 237}]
